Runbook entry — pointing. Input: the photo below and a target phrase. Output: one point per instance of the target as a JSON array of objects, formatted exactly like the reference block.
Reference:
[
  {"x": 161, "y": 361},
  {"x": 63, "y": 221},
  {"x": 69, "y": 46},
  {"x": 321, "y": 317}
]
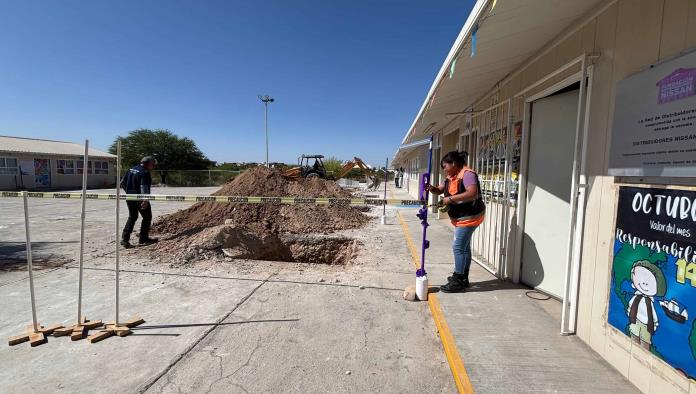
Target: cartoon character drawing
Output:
[{"x": 649, "y": 282}]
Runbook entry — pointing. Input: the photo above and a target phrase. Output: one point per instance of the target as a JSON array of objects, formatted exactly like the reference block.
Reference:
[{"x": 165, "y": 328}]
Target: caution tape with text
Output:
[{"x": 220, "y": 199}]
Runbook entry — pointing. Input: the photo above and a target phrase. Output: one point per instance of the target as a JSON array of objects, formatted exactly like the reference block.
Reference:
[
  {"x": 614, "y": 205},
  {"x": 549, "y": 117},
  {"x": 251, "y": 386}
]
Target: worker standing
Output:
[
  {"x": 138, "y": 181},
  {"x": 466, "y": 209}
]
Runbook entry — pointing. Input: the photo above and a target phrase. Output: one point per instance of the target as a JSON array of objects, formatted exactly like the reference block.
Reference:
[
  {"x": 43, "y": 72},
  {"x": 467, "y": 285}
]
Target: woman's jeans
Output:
[{"x": 461, "y": 247}]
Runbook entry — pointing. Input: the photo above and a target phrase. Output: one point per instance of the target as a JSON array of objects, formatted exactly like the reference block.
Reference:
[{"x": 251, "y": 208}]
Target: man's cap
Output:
[{"x": 148, "y": 159}]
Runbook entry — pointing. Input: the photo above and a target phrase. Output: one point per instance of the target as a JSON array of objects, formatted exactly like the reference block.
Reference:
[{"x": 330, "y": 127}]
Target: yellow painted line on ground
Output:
[{"x": 461, "y": 378}]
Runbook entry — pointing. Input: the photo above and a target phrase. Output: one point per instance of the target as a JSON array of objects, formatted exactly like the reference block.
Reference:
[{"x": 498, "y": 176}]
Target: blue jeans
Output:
[{"x": 461, "y": 247}]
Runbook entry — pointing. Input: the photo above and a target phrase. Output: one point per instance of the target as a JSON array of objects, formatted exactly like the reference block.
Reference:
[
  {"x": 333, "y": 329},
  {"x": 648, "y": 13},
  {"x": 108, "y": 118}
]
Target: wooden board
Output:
[
  {"x": 17, "y": 339},
  {"x": 135, "y": 321},
  {"x": 30, "y": 328},
  {"x": 64, "y": 331},
  {"x": 92, "y": 324},
  {"x": 99, "y": 335},
  {"x": 78, "y": 333},
  {"x": 37, "y": 339},
  {"x": 50, "y": 329},
  {"x": 123, "y": 333}
]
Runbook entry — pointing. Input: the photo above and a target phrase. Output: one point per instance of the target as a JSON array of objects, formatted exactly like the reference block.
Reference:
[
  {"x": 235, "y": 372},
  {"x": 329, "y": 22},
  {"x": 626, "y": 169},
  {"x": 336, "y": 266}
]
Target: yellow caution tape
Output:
[{"x": 220, "y": 199}]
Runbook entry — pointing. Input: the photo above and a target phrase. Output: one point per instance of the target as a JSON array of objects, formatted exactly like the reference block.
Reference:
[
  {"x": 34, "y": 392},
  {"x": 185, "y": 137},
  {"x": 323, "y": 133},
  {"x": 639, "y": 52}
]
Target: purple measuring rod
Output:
[{"x": 423, "y": 212}]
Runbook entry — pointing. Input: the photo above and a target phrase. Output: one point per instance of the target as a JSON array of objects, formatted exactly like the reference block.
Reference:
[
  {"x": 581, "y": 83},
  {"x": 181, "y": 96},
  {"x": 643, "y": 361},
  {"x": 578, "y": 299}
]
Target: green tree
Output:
[
  {"x": 333, "y": 165},
  {"x": 171, "y": 151}
]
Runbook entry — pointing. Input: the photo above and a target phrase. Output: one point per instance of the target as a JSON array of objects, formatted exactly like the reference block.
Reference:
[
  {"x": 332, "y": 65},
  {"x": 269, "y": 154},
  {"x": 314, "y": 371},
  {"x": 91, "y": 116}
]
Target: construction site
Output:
[{"x": 530, "y": 230}]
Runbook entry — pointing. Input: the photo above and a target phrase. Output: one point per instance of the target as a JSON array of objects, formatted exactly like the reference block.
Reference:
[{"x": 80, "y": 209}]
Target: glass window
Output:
[
  {"x": 8, "y": 166},
  {"x": 66, "y": 167},
  {"x": 101, "y": 167},
  {"x": 81, "y": 164}
]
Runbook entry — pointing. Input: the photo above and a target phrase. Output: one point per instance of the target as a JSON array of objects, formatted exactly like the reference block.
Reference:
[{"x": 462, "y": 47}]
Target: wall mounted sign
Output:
[
  {"x": 653, "y": 278},
  {"x": 654, "y": 130}
]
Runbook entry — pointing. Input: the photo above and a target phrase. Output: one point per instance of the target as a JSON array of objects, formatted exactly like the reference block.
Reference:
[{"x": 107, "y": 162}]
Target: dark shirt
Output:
[{"x": 137, "y": 181}]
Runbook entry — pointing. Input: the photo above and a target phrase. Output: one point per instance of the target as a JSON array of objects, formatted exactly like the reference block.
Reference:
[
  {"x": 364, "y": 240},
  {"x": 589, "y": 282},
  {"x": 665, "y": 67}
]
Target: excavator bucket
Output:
[
  {"x": 294, "y": 172},
  {"x": 373, "y": 182}
]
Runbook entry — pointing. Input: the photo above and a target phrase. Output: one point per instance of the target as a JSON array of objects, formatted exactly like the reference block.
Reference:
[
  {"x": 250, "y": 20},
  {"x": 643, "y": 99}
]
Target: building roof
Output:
[
  {"x": 507, "y": 34},
  {"x": 47, "y": 147}
]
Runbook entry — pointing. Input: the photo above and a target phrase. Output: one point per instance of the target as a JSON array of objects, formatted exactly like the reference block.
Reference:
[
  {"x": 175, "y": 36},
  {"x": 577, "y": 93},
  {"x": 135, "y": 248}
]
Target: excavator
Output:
[{"x": 317, "y": 169}]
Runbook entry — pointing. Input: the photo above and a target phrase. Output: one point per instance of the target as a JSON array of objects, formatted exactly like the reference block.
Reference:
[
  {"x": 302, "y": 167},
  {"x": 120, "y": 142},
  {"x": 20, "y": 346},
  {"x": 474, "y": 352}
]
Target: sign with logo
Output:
[
  {"x": 654, "y": 130},
  {"x": 653, "y": 278}
]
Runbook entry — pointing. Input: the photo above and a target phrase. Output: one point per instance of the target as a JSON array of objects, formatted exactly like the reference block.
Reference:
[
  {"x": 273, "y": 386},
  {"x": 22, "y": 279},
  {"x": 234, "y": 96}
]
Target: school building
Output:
[
  {"x": 580, "y": 119},
  {"x": 35, "y": 164}
]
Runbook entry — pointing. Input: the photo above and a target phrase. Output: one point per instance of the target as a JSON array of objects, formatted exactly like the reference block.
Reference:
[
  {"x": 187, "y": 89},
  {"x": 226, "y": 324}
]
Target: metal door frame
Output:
[{"x": 578, "y": 184}]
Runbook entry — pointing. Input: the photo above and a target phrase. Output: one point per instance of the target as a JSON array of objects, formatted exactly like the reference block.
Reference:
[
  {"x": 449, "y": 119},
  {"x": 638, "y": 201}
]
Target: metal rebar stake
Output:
[
  {"x": 82, "y": 231},
  {"x": 30, "y": 265}
]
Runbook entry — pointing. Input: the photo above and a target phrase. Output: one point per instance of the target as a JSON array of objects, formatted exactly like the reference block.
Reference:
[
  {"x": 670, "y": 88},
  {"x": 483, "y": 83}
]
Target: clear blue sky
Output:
[{"x": 348, "y": 76}]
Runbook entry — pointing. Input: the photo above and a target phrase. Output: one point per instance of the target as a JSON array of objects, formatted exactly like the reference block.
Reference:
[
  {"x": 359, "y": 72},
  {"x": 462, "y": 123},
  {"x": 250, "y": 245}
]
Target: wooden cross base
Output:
[
  {"x": 35, "y": 338},
  {"x": 111, "y": 329},
  {"x": 78, "y": 331}
]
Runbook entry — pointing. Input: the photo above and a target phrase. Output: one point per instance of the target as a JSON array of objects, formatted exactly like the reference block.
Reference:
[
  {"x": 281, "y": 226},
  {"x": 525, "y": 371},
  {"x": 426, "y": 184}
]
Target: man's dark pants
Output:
[{"x": 134, "y": 207}]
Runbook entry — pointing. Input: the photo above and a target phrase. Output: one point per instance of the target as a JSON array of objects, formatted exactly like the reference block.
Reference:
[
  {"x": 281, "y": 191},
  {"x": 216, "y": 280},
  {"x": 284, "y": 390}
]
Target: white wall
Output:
[{"x": 630, "y": 35}]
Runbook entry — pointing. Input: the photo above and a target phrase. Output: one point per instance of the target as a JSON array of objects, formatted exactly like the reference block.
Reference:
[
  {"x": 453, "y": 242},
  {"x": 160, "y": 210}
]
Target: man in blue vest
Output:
[{"x": 138, "y": 181}]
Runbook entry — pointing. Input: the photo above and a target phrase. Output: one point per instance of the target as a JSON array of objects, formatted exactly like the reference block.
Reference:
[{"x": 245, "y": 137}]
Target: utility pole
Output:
[{"x": 265, "y": 100}]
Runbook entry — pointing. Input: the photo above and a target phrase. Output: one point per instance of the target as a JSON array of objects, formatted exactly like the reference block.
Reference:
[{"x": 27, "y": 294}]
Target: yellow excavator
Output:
[{"x": 317, "y": 169}]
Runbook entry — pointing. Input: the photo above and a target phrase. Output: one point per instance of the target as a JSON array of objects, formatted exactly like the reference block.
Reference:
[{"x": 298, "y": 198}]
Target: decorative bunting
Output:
[
  {"x": 473, "y": 41},
  {"x": 452, "y": 67}
]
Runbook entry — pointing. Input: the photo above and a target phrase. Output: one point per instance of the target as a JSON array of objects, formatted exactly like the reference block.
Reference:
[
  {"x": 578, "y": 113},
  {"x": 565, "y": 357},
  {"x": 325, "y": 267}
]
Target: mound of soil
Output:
[{"x": 266, "y": 182}]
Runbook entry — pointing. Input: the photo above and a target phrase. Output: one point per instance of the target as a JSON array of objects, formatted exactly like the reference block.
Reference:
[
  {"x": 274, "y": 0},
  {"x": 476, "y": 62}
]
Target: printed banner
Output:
[
  {"x": 654, "y": 131},
  {"x": 653, "y": 279}
]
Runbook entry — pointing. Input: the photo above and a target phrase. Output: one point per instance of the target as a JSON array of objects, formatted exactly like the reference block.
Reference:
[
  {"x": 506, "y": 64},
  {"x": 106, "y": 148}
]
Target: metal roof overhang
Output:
[{"x": 508, "y": 34}]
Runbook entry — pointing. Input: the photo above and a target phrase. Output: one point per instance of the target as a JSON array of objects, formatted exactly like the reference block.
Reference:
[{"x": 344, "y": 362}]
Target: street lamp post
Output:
[{"x": 265, "y": 100}]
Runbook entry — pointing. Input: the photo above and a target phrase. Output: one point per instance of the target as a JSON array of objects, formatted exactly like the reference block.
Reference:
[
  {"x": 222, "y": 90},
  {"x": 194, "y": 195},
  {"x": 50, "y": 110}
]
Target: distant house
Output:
[{"x": 33, "y": 164}]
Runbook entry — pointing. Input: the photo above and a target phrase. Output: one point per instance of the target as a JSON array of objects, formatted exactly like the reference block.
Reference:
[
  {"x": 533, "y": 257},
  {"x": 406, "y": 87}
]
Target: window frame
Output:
[
  {"x": 61, "y": 170},
  {"x": 103, "y": 167},
  {"x": 5, "y": 169},
  {"x": 79, "y": 169}
]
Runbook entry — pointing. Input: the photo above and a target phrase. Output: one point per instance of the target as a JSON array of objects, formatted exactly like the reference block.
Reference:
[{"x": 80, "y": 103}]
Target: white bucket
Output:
[{"x": 422, "y": 287}]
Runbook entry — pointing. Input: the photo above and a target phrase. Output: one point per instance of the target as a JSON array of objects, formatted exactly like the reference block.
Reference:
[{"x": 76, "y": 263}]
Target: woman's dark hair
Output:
[{"x": 456, "y": 158}]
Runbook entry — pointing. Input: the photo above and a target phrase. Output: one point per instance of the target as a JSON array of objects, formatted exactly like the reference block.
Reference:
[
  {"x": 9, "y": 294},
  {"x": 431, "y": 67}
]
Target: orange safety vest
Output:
[{"x": 464, "y": 214}]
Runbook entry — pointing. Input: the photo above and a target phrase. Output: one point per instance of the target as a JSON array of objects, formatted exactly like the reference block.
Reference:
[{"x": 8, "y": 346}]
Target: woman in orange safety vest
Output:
[{"x": 466, "y": 209}]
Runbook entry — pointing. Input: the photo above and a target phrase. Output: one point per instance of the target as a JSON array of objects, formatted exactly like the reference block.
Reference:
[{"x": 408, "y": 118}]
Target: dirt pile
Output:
[
  {"x": 264, "y": 231},
  {"x": 261, "y": 181}
]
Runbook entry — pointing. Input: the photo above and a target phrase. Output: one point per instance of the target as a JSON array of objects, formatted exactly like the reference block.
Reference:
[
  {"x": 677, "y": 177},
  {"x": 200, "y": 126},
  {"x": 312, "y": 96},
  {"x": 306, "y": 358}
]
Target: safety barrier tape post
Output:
[
  {"x": 82, "y": 231},
  {"x": 118, "y": 203},
  {"x": 30, "y": 264},
  {"x": 386, "y": 180}
]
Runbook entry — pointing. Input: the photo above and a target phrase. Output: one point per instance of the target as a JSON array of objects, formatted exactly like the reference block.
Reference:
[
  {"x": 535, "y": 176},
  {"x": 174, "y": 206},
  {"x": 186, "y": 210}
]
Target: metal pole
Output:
[
  {"x": 386, "y": 180},
  {"x": 425, "y": 244},
  {"x": 118, "y": 210},
  {"x": 266, "y": 112},
  {"x": 30, "y": 265},
  {"x": 82, "y": 231}
]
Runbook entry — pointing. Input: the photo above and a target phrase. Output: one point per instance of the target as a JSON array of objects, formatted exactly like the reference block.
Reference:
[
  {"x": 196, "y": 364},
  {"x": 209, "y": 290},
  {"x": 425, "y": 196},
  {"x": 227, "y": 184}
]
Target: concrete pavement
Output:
[
  {"x": 508, "y": 341},
  {"x": 227, "y": 327}
]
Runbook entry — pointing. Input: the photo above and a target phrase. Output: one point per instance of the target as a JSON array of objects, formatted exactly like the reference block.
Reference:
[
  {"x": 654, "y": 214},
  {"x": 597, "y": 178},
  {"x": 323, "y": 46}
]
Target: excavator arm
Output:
[{"x": 372, "y": 178}]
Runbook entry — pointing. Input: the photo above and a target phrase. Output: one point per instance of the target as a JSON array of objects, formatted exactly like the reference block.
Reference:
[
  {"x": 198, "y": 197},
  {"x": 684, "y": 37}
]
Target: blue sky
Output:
[{"x": 348, "y": 76}]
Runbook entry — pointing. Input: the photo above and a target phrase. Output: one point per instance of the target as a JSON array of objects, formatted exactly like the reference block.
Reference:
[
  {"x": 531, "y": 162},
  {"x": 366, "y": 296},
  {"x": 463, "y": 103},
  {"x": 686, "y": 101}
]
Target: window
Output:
[
  {"x": 101, "y": 167},
  {"x": 8, "y": 166},
  {"x": 66, "y": 167},
  {"x": 81, "y": 164}
]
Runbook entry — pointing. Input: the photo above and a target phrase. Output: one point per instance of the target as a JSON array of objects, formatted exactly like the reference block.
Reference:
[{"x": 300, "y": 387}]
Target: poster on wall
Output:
[
  {"x": 654, "y": 129},
  {"x": 26, "y": 167},
  {"x": 653, "y": 277}
]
